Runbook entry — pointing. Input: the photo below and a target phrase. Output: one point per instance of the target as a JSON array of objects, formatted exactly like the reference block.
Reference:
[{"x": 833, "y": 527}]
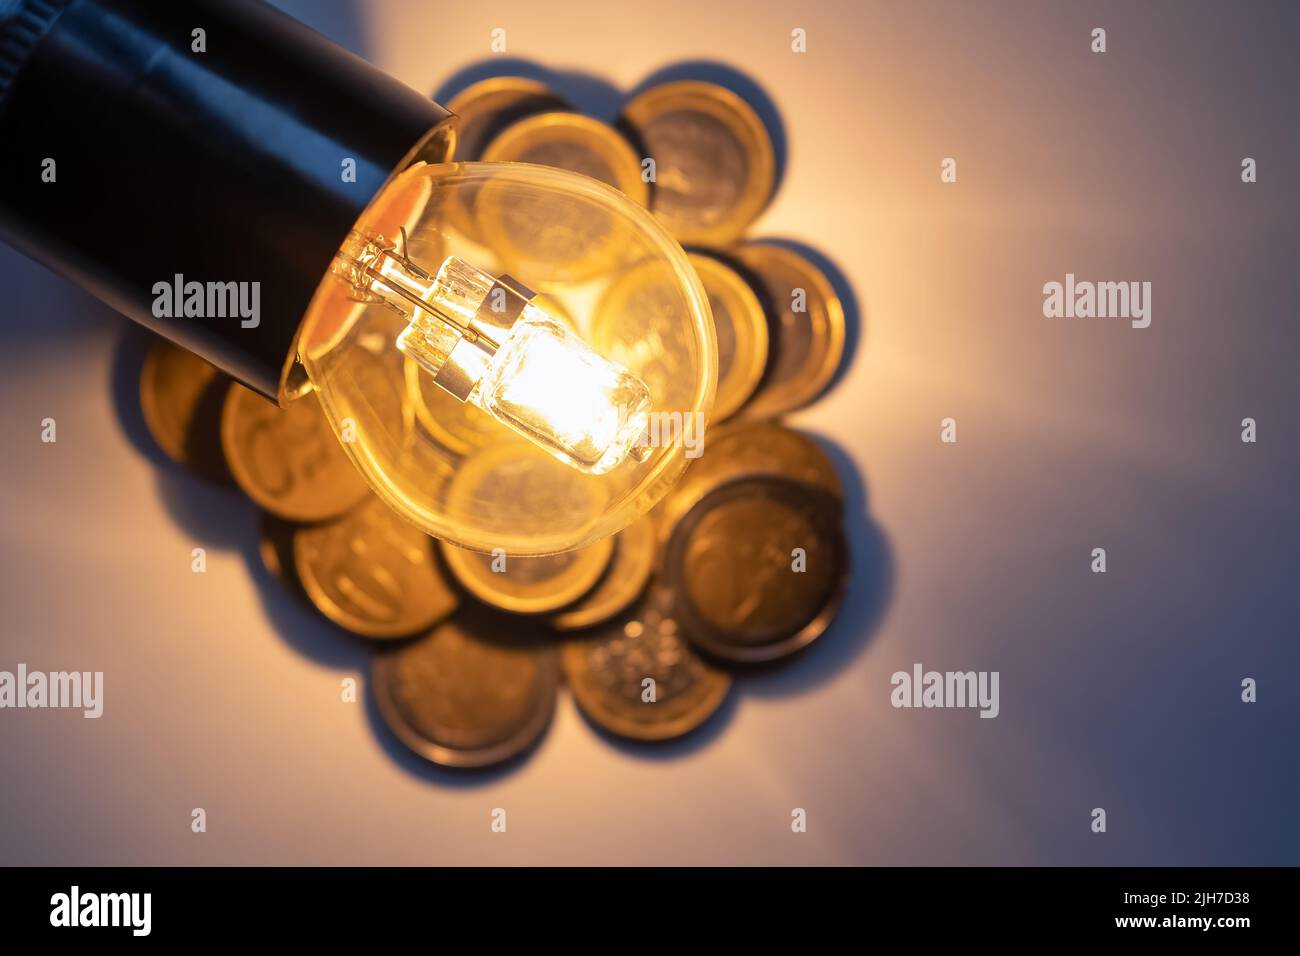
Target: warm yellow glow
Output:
[{"x": 483, "y": 341}]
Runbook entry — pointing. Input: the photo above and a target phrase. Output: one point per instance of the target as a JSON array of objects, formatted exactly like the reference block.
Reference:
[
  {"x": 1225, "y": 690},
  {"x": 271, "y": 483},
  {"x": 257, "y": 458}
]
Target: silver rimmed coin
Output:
[
  {"x": 757, "y": 568},
  {"x": 637, "y": 677},
  {"x": 477, "y": 690}
]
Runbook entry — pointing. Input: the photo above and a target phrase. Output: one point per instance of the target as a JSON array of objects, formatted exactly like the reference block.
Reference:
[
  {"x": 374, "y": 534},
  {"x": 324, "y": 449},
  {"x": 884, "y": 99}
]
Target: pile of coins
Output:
[{"x": 743, "y": 563}]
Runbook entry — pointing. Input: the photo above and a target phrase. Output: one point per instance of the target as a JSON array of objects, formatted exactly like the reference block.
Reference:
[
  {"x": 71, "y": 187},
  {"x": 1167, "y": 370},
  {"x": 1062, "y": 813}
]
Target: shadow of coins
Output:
[
  {"x": 476, "y": 691},
  {"x": 372, "y": 573},
  {"x": 205, "y": 508},
  {"x": 757, "y": 568},
  {"x": 635, "y": 676}
]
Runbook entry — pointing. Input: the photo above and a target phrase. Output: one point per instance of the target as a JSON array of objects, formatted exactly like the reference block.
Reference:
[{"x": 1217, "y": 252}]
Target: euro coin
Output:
[
  {"x": 741, "y": 327},
  {"x": 529, "y": 584},
  {"x": 475, "y": 691},
  {"x": 630, "y": 326},
  {"x": 515, "y": 499},
  {"x": 287, "y": 459},
  {"x": 745, "y": 449},
  {"x": 553, "y": 237},
  {"x": 487, "y": 107},
  {"x": 180, "y": 398},
  {"x": 275, "y": 547},
  {"x": 372, "y": 573},
  {"x": 637, "y": 677},
  {"x": 574, "y": 142},
  {"x": 715, "y": 166},
  {"x": 757, "y": 568},
  {"x": 808, "y": 329},
  {"x": 626, "y": 577}
]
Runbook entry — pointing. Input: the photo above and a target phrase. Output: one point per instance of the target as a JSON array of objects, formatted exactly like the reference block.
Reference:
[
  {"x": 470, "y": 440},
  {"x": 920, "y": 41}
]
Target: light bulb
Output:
[
  {"x": 482, "y": 340},
  {"x": 492, "y": 415}
]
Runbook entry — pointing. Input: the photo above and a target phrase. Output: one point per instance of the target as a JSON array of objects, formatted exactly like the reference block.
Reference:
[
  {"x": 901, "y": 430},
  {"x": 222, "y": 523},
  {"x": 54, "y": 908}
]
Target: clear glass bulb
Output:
[{"x": 490, "y": 416}]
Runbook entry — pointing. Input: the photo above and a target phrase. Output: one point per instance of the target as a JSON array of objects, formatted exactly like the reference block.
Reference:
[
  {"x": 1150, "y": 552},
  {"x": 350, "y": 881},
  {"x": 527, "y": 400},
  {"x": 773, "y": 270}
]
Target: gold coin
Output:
[
  {"x": 275, "y": 546},
  {"x": 741, "y": 327},
  {"x": 372, "y": 573},
  {"x": 180, "y": 398},
  {"x": 547, "y": 238},
  {"x": 476, "y": 691},
  {"x": 529, "y": 584},
  {"x": 514, "y": 497},
  {"x": 574, "y": 142},
  {"x": 757, "y": 568},
  {"x": 287, "y": 459},
  {"x": 608, "y": 670},
  {"x": 635, "y": 323},
  {"x": 623, "y": 582},
  {"x": 744, "y": 449},
  {"x": 808, "y": 324},
  {"x": 487, "y": 107},
  {"x": 715, "y": 167}
]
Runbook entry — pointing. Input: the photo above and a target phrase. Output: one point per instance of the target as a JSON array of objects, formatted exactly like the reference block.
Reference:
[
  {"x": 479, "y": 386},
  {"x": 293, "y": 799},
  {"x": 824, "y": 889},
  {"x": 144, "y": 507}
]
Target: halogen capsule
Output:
[{"x": 483, "y": 340}]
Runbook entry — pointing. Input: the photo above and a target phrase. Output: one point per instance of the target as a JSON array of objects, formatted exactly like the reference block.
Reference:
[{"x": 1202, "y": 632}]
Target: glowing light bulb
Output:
[
  {"x": 483, "y": 341},
  {"x": 491, "y": 416}
]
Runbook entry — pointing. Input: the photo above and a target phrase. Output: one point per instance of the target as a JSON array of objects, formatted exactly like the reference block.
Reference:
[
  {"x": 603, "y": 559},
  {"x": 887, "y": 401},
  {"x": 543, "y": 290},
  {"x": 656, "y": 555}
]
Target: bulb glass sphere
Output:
[{"x": 514, "y": 356}]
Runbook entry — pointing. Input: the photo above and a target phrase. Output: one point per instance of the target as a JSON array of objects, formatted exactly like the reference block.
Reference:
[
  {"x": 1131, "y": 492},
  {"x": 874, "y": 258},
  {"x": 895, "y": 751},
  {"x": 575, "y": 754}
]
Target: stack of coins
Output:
[{"x": 743, "y": 563}]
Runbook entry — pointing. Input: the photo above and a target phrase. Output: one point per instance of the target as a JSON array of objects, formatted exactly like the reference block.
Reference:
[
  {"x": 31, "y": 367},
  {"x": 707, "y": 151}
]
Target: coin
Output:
[
  {"x": 574, "y": 142},
  {"x": 741, "y": 449},
  {"x": 715, "y": 166},
  {"x": 608, "y": 670},
  {"x": 180, "y": 398},
  {"x": 808, "y": 327},
  {"x": 372, "y": 573},
  {"x": 623, "y": 581},
  {"x": 515, "y": 498},
  {"x": 287, "y": 459},
  {"x": 556, "y": 237},
  {"x": 529, "y": 584},
  {"x": 635, "y": 324},
  {"x": 757, "y": 568},
  {"x": 741, "y": 327},
  {"x": 275, "y": 546},
  {"x": 478, "y": 690},
  {"x": 487, "y": 107}
]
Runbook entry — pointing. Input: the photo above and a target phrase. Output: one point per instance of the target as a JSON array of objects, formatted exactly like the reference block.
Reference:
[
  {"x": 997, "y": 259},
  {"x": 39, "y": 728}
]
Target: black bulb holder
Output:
[{"x": 135, "y": 148}]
